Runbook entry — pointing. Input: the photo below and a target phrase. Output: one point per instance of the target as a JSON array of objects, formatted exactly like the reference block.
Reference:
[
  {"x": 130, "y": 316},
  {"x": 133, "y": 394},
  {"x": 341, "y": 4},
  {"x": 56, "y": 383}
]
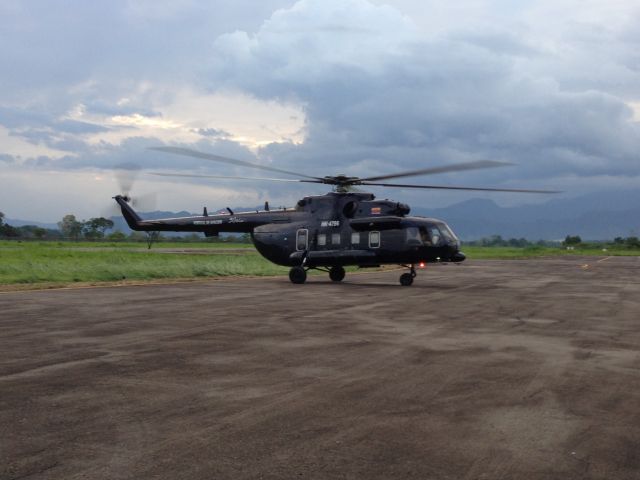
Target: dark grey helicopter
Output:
[{"x": 330, "y": 231}]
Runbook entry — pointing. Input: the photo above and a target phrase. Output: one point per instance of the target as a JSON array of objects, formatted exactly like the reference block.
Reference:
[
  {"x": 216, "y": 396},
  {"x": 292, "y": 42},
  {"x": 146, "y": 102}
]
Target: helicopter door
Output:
[{"x": 302, "y": 239}]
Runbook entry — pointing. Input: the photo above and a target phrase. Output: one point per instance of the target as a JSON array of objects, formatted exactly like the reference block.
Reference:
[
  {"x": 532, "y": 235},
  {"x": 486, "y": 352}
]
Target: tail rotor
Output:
[{"x": 126, "y": 175}]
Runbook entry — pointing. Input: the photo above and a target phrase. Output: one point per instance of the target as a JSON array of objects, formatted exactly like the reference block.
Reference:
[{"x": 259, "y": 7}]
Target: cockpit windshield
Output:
[
  {"x": 437, "y": 234},
  {"x": 447, "y": 233}
]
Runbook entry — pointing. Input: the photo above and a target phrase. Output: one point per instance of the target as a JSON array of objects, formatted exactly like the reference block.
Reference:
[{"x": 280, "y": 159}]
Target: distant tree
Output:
[
  {"x": 633, "y": 242},
  {"x": 493, "y": 241},
  {"x": 7, "y": 230},
  {"x": 572, "y": 240},
  {"x": 31, "y": 231},
  {"x": 518, "y": 242},
  {"x": 618, "y": 241},
  {"x": 117, "y": 236},
  {"x": 70, "y": 227},
  {"x": 96, "y": 227}
]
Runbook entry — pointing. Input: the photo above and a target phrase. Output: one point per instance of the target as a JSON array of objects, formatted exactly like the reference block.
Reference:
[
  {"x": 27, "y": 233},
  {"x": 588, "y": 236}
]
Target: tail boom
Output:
[{"x": 207, "y": 224}]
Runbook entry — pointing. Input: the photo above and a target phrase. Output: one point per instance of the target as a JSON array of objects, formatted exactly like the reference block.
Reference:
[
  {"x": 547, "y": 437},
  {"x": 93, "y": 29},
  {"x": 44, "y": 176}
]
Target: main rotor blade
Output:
[
  {"x": 189, "y": 175},
  {"x": 479, "y": 189},
  {"x": 456, "y": 167},
  {"x": 217, "y": 158}
]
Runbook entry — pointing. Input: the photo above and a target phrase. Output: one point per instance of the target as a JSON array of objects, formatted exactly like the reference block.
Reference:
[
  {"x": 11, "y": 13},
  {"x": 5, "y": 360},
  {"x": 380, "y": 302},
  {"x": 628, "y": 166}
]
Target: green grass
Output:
[
  {"x": 38, "y": 262},
  {"x": 536, "y": 251}
]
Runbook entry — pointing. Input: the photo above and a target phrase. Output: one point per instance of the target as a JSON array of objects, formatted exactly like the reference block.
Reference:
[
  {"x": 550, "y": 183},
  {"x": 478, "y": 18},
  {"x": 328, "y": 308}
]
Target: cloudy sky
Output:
[{"x": 361, "y": 87}]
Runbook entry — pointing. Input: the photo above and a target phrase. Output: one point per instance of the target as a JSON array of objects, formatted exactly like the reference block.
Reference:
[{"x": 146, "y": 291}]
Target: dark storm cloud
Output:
[
  {"x": 65, "y": 41},
  {"x": 397, "y": 97},
  {"x": 59, "y": 54}
]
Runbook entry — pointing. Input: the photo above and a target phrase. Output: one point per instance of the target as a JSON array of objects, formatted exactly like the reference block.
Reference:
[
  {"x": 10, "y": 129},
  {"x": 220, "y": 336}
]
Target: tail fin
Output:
[{"x": 132, "y": 218}]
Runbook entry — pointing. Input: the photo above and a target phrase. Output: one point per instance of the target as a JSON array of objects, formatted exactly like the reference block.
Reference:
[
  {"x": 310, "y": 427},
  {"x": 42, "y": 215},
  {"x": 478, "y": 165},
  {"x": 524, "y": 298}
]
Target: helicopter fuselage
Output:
[{"x": 331, "y": 230}]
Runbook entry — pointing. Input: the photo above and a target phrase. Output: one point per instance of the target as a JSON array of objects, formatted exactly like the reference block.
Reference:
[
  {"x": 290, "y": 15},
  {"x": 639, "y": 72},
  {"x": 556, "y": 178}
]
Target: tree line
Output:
[
  {"x": 68, "y": 227},
  {"x": 570, "y": 241},
  {"x": 97, "y": 229}
]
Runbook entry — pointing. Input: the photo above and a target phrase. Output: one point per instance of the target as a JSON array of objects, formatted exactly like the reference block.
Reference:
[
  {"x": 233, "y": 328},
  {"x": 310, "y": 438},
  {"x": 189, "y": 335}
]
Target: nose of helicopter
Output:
[{"x": 458, "y": 257}]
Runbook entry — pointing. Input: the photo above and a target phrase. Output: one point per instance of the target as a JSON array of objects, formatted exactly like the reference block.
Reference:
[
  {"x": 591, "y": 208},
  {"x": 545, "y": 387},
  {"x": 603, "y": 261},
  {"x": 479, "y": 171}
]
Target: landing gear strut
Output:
[{"x": 406, "y": 279}]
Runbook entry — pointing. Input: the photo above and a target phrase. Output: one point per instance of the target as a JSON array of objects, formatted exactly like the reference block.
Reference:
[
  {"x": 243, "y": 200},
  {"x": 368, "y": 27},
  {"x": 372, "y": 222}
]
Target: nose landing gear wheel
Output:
[
  {"x": 336, "y": 274},
  {"x": 406, "y": 279},
  {"x": 297, "y": 275}
]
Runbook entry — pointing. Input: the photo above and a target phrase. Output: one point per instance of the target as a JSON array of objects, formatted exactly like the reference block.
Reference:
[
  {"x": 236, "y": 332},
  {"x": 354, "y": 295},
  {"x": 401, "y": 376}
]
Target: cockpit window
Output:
[
  {"x": 431, "y": 235},
  {"x": 437, "y": 234},
  {"x": 447, "y": 233}
]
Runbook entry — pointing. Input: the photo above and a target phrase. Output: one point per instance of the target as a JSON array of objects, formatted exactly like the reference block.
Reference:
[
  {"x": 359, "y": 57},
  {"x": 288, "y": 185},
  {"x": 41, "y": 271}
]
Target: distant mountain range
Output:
[{"x": 595, "y": 216}]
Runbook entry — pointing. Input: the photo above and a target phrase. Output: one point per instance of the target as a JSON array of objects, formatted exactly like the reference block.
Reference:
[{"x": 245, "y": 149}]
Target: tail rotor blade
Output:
[{"x": 126, "y": 175}]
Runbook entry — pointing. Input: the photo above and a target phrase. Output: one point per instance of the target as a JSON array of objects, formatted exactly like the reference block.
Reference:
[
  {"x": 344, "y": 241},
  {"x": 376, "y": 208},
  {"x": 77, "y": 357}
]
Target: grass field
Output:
[
  {"x": 536, "y": 251},
  {"x": 41, "y": 262},
  {"x": 71, "y": 262}
]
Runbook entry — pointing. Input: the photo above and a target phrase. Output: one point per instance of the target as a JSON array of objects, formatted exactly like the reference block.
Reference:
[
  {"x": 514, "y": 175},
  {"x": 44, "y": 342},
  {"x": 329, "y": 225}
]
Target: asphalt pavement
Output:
[{"x": 523, "y": 369}]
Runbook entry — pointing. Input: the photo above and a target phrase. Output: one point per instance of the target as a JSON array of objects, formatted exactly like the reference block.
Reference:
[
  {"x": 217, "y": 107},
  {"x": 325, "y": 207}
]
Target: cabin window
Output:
[
  {"x": 302, "y": 239},
  {"x": 322, "y": 239},
  {"x": 355, "y": 238},
  {"x": 413, "y": 236},
  {"x": 374, "y": 239},
  {"x": 335, "y": 238}
]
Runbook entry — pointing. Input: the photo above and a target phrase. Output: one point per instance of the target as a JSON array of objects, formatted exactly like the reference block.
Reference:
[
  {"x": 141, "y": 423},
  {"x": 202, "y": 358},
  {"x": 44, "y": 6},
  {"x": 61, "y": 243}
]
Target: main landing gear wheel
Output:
[
  {"x": 297, "y": 275},
  {"x": 336, "y": 274}
]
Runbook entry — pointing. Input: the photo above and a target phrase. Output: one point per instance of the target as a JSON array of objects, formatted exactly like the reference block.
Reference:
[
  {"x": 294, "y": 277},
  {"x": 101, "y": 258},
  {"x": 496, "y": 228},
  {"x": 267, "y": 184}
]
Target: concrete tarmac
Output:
[{"x": 485, "y": 370}]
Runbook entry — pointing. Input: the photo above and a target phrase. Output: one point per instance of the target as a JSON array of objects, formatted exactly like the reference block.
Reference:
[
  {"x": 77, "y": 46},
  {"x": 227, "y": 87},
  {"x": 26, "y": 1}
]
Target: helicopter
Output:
[{"x": 344, "y": 227}]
